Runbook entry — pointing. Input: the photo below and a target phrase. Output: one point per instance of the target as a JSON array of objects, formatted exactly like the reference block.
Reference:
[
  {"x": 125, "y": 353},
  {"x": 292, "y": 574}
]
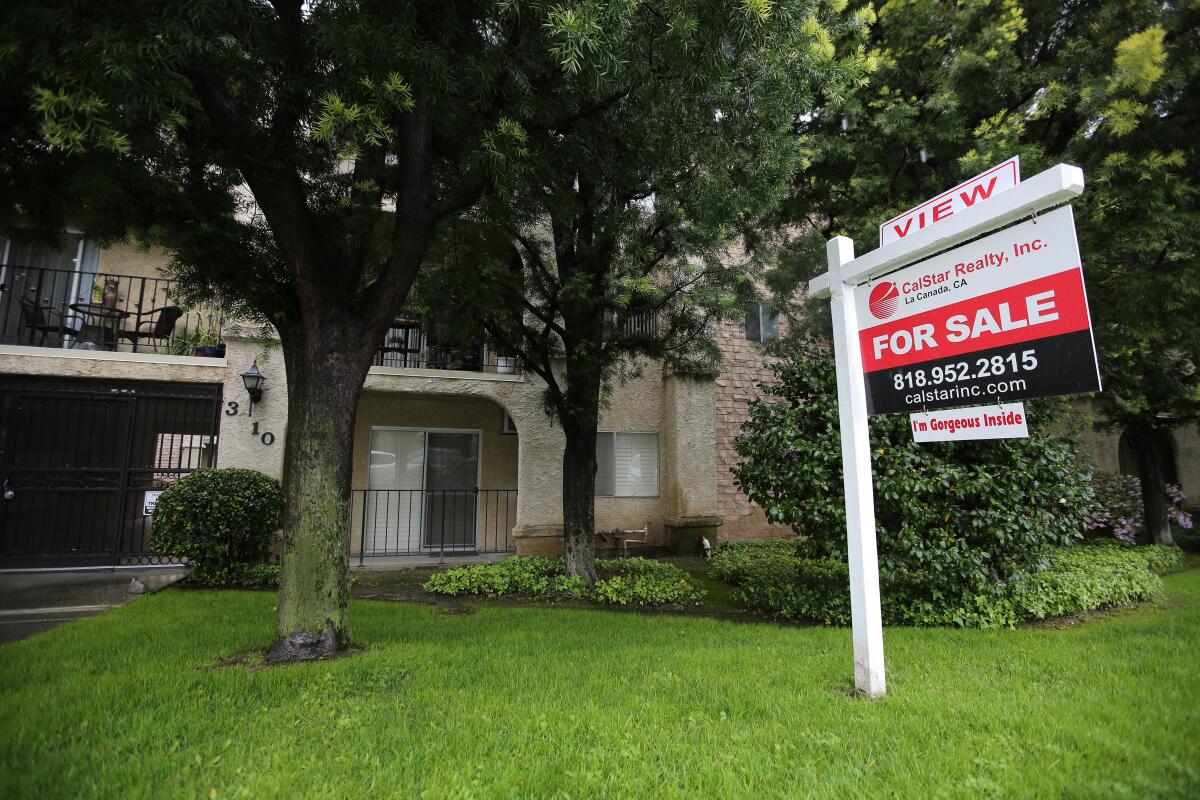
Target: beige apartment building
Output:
[{"x": 109, "y": 392}]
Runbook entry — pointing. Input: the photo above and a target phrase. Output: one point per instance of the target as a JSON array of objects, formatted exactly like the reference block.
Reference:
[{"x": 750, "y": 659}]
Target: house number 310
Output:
[{"x": 266, "y": 437}]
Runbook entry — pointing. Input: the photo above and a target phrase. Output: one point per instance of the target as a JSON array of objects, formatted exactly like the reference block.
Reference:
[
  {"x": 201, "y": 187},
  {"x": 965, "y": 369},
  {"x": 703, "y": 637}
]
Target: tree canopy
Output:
[
  {"x": 622, "y": 222},
  {"x": 1109, "y": 86}
]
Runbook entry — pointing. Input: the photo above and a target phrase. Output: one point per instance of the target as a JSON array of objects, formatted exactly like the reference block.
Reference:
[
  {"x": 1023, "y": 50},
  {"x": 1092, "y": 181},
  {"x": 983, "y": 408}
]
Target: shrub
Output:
[
  {"x": 732, "y": 561},
  {"x": 221, "y": 520},
  {"x": 1077, "y": 579},
  {"x": 623, "y": 581},
  {"x": 236, "y": 574},
  {"x": 953, "y": 520}
]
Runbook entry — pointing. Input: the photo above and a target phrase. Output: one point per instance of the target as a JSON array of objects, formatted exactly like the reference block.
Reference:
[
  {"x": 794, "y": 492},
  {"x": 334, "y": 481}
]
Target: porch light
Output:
[{"x": 254, "y": 381}]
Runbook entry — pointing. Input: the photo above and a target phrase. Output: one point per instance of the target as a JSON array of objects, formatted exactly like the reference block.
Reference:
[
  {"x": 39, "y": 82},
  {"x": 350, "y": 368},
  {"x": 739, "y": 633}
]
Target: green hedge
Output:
[
  {"x": 236, "y": 575},
  {"x": 223, "y": 521},
  {"x": 772, "y": 577},
  {"x": 623, "y": 581},
  {"x": 953, "y": 519}
]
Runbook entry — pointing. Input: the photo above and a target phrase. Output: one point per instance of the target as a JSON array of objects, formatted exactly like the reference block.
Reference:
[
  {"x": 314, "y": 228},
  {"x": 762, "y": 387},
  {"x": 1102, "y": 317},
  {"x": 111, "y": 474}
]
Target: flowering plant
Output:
[
  {"x": 1175, "y": 510},
  {"x": 1119, "y": 510}
]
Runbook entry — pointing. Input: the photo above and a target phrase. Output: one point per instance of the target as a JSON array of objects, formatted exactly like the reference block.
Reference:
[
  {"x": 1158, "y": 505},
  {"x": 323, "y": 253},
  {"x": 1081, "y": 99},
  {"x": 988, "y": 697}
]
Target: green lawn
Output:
[{"x": 526, "y": 701}]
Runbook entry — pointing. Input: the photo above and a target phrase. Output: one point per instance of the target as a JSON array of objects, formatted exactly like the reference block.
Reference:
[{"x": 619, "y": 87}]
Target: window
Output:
[
  {"x": 626, "y": 464},
  {"x": 507, "y": 426},
  {"x": 761, "y": 323}
]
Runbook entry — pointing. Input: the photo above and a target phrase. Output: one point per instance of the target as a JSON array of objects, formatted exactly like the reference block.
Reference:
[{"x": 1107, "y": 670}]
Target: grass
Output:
[{"x": 521, "y": 701}]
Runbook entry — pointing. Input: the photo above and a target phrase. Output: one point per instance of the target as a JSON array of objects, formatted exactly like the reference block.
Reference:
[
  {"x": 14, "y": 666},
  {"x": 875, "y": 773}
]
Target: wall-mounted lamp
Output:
[{"x": 254, "y": 381}]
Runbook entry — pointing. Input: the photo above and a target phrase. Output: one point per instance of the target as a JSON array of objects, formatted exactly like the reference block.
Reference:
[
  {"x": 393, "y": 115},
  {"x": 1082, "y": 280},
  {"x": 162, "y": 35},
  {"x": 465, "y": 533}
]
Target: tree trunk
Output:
[
  {"x": 579, "y": 501},
  {"x": 324, "y": 384},
  {"x": 1154, "y": 490}
]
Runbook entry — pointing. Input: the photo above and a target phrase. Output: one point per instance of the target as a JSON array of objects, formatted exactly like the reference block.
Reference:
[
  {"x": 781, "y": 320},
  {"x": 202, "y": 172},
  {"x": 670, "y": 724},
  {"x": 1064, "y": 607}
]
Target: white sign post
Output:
[
  {"x": 865, "y": 615},
  {"x": 846, "y": 273}
]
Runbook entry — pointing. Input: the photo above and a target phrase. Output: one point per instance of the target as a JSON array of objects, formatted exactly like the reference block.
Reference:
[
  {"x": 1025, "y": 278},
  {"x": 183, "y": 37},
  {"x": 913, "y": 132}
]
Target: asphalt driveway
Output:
[{"x": 31, "y": 602}]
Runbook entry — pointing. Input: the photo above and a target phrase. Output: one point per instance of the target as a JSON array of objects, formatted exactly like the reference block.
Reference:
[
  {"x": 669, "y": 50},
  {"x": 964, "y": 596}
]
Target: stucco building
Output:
[{"x": 109, "y": 392}]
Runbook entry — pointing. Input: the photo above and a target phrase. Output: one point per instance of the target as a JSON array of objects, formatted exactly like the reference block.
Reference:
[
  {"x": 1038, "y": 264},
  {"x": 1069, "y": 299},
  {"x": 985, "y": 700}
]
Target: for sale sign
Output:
[
  {"x": 979, "y": 422},
  {"x": 987, "y": 184},
  {"x": 1002, "y": 318}
]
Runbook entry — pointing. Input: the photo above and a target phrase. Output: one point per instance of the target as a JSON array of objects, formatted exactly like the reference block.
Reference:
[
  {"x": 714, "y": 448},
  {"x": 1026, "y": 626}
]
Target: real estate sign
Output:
[
  {"x": 987, "y": 305},
  {"x": 995, "y": 180},
  {"x": 1002, "y": 318},
  {"x": 962, "y": 424}
]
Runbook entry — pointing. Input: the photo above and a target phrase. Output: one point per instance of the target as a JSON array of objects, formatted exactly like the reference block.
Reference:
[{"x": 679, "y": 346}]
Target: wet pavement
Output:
[{"x": 31, "y": 602}]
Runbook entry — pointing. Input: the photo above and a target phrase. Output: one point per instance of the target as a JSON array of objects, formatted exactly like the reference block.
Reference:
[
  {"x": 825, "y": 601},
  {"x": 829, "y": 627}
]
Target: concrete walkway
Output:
[
  {"x": 31, "y": 602},
  {"x": 372, "y": 563}
]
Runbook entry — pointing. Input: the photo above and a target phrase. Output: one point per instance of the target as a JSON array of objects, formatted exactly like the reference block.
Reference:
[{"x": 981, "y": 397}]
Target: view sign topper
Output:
[
  {"x": 943, "y": 207},
  {"x": 1001, "y": 318}
]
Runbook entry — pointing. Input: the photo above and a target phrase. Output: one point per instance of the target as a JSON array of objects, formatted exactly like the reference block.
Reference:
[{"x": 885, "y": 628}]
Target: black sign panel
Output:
[{"x": 1055, "y": 365}]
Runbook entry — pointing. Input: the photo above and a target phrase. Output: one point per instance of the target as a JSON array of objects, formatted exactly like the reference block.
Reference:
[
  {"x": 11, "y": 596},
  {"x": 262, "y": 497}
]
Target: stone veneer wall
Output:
[{"x": 743, "y": 369}]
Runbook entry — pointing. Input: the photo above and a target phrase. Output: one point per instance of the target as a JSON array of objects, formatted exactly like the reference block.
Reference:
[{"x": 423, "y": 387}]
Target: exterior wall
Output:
[
  {"x": 127, "y": 258},
  {"x": 690, "y": 480},
  {"x": 743, "y": 368},
  {"x": 1102, "y": 447},
  {"x": 635, "y": 406},
  {"x": 498, "y": 452},
  {"x": 238, "y": 447},
  {"x": 682, "y": 411}
]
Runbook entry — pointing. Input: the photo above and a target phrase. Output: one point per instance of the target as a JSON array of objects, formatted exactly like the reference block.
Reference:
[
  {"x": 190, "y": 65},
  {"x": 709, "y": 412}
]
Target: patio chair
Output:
[
  {"x": 159, "y": 324},
  {"x": 42, "y": 319}
]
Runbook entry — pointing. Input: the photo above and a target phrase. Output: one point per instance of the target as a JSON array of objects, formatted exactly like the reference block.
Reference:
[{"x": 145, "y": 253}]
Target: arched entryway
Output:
[
  {"x": 434, "y": 475},
  {"x": 1163, "y": 448}
]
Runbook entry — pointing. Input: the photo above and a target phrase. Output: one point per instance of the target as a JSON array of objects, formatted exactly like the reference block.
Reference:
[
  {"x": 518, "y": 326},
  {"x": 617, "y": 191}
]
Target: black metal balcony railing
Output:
[
  {"x": 403, "y": 522},
  {"x": 101, "y": 311},
  {"x": 422, "y": 344},
  {"x": 642, "y": 324}
]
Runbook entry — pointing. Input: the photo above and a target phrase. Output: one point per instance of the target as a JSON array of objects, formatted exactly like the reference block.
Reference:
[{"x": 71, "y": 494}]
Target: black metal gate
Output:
[{"x": 81, "y": 462}]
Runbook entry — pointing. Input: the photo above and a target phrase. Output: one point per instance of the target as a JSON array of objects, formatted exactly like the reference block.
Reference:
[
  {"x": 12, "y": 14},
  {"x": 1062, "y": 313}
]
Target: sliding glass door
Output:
[
  {"x": 423, "y": 490},
  {"x": 451, "y": 477}
]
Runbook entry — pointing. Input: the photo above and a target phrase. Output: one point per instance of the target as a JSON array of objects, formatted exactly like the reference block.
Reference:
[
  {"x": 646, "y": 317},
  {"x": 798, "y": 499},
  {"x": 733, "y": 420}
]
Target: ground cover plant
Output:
[
  {"x": 622, "y": 581},
  {"x": 556, "y": 702},
  {"x": 779, "y": 578},
  {"x": 955, "y": 520}
]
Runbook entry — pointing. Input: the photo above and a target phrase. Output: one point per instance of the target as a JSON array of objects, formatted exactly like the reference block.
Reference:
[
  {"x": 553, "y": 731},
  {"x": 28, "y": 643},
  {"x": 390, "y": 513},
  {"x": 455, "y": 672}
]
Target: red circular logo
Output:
[{"x": 883, "y": 300}]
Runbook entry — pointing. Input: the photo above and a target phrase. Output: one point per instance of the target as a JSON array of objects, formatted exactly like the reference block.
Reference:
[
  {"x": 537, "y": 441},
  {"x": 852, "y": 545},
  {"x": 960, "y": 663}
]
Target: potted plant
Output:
[
  {"x": 210, "y": 344},
  {"x": 184, "y": 344}
]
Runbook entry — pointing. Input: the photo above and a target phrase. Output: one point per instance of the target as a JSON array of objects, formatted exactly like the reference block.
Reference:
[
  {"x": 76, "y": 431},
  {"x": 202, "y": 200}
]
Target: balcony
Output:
[
  {"x": 417, "y": 343},
  {"x": 440, "y": 522},
  {"x": 57, "y": 308}
]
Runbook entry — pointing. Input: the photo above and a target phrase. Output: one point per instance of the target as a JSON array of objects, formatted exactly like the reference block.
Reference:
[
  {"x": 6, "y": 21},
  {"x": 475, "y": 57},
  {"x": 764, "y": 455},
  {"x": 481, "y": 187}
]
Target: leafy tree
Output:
[
  {"x": 1110, "y": 86},
  {"x": 296, "y": 158},
  {"x": 954, "y": 519},
  {"x": 620, "y": 222}
]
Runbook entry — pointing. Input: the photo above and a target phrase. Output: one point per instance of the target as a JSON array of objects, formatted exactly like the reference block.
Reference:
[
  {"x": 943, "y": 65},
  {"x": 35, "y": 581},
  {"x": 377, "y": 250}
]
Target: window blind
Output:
[
  {"x": 636, "y": 464},
  {"x": 627, "y": 464}
]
